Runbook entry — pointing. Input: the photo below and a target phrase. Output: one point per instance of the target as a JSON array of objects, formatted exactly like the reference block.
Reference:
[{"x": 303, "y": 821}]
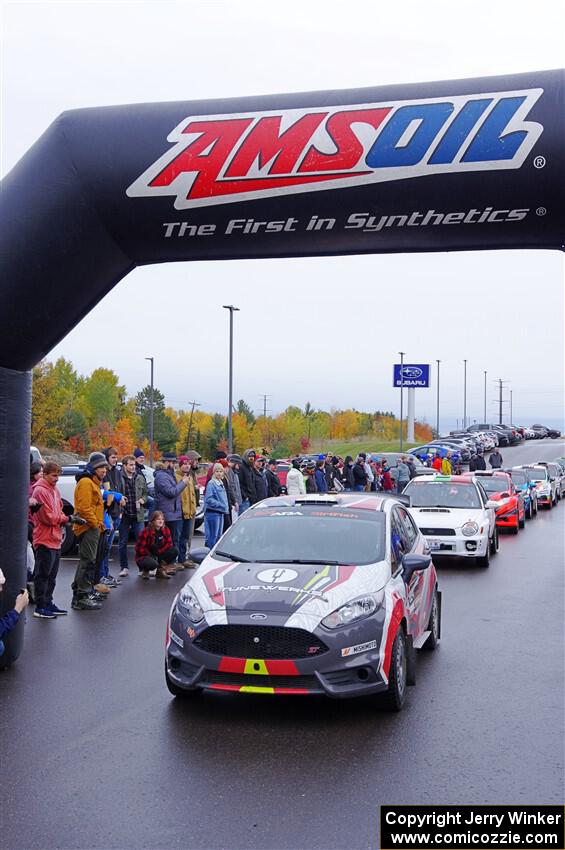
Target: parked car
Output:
[
  {"x": 546, "y": 486},
  {"x": 308, "y": 595},
  {"x": 556, "y": 472},
  {"x": 498, "y": 485},
  {"x": 455, "y": 516},
  {"x": 522, "y": 481},
  {"x": 550, "y": 432}
]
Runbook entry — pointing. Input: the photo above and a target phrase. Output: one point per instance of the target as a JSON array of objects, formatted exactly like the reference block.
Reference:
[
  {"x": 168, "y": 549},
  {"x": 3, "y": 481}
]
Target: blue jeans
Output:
[
  {"x": 244, "y": 506},
  {"x": 400, "y": 485},
  {"x": 359, "y": 488},
  {"x": 213, "y": 527},
  {"x": 185, "y": 539},
  {"x": 104, "y": 566},
  {"x": 127, "y": 523},
  {"x": 174, "y": 526}
]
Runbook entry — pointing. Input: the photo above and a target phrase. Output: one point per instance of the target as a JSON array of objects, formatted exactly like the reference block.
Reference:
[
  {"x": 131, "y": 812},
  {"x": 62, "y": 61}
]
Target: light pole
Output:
[
  {"x": 151, "y": 408},
  {"x": 402, "y": 353},
  {"x": 232, "y": 309},
  {"x": 464, "y": 394},
  {"x": 194, "y": 404},
  {"x": 485, "y": 405},
  {"x": 437, "y": 400},
  {"x": 511, "y": 417}
]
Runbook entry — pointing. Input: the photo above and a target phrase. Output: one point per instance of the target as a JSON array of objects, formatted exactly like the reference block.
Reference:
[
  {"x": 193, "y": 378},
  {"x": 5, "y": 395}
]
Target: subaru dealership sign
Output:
[{"x": 413, "y": 375}]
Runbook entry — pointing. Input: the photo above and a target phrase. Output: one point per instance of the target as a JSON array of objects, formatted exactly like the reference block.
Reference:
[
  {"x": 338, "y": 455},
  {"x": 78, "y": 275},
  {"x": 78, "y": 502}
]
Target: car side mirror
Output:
[
  {"x": 491, "y": 504},
  {"x": 413, "y": 563},
  {"x": 198, "y": 555}
]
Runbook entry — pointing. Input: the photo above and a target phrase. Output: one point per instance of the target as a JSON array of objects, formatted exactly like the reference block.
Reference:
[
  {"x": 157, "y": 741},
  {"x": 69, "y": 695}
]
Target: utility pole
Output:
[
  {"x": 485, "y": 405},
  {"x": 500, "y": 401},
  {"x": 402, "y": 353},
  {"x": 464, "y": 394},
  {"x": 437, "y": 400},
  {"x": 511, "y": 417},
  {"x": 151, "y": 412},
  {"x": 265, "y": 397},
  {"x": 232, "y": 309},
  {"x": 194, "y": 404}
]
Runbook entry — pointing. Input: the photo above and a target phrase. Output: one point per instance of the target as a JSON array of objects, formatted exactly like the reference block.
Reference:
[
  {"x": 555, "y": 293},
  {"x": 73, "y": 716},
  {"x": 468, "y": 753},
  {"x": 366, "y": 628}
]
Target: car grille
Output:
[
  {"x": 434, "y": 532},
  {"x": 215, "y": 677},
  {"x": 242, "y": 641}
]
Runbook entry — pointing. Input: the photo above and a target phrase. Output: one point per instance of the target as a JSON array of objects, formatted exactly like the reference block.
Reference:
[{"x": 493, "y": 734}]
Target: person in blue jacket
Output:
[
  {"x": 9, "y": 620},
  {"x": 320, "y": 476},
  {"x": 215, "y": 506}
]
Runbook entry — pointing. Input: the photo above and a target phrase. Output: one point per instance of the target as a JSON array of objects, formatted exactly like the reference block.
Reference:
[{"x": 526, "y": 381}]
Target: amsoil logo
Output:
[{"x": 220, "y": 159}]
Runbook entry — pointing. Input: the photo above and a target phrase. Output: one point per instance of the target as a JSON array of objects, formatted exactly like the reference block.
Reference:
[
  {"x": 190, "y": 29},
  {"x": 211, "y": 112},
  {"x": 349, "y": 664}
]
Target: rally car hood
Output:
[
  {"x": 446, "y": 517},
  {"x": 291, "y": 592}
]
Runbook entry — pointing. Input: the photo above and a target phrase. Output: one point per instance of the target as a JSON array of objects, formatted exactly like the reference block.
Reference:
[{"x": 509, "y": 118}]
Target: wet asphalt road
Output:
[{"x": 95, "y": 753}]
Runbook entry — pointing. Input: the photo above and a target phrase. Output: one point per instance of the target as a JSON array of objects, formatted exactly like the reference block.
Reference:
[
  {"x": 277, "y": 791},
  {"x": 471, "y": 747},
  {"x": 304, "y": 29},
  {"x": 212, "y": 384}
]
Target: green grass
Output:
[{"x": 353, "y": 447}]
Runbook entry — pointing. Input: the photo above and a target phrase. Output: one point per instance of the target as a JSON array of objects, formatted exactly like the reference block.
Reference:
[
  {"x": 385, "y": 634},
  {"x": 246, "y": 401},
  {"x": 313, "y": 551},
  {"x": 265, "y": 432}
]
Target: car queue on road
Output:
[{"x": 331, "y": 593}]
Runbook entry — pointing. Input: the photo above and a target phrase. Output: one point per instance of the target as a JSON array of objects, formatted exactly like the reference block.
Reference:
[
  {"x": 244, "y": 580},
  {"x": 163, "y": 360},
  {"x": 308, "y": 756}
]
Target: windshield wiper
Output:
[
  {"x": 233, "y": 557},
  {"x": 300, "y": 561}
]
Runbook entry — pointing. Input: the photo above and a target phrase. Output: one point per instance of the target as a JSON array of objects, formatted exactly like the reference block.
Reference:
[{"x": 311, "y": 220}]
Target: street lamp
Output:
[
  {"x": 464, "y": 394},
  {"x": 485, "y": 405},
  {"x": 402, "y": 353},
  {"x": 151, "y": 406},
  {"x": 437, "y": 400},
  {"x": 232, "y": 309}
]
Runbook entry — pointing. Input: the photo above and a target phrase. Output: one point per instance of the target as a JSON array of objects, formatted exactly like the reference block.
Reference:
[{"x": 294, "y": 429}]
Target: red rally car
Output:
[{"x": 499, "y": 487}]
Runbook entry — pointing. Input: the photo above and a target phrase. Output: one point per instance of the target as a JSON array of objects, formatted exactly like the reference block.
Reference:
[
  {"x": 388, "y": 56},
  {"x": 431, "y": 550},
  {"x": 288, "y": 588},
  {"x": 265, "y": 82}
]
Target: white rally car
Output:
[{"x": 455, "y": 516}]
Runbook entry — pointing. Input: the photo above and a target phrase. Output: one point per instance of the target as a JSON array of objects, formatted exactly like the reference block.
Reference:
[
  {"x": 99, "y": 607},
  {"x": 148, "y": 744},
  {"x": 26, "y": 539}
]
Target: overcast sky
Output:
[{"x": 324, "y": 330}]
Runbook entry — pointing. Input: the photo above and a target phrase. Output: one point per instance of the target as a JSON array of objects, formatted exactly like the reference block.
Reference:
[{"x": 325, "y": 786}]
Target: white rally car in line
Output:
[{"x": 455, "y": 516}]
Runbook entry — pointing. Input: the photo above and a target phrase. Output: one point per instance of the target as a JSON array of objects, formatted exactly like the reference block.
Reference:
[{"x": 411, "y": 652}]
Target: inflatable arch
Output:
[{"x": 460, "y": 165}]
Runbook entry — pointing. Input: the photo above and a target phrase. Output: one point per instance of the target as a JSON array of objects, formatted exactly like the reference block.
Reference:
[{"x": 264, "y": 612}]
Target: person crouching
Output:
[{"x": 154, "y": 548}]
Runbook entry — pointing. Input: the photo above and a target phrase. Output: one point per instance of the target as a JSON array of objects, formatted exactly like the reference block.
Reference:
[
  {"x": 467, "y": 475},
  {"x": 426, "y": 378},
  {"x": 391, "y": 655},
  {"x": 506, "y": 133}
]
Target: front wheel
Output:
[
  {"x": 433, "y": 625},
  {"x": 484, "y": 560},
  {"x": 395, "y": 697},
  {"x": 522, "y": 522},
  {"x": 495, "y": 542},
  {"x": 530, "y": 511}
]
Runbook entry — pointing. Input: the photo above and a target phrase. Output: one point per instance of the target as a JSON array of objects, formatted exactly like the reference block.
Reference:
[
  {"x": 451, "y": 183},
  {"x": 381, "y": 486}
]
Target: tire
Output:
[
  {"x": 495, "y": 542},
  {"x": 183, "y": 693},
  {"x": 516, "y": 528},
  {"x": 530, "y": 511},
  {"x": 484, "y": 560},
  {"x": 536, "y": 508},
  {"x": 394, "y": 698},
  {"x": 522, "y": 522},
  {"x": 433, "y": 625},
  {"x": 69, "y": 540}
]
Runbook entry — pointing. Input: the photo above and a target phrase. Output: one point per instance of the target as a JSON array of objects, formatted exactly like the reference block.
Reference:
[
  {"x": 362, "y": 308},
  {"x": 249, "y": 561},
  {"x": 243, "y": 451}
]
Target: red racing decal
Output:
[
  {"x": 342, "y": 575},
  {"x": 211, "y": 586},
  {"x": 395, "y": 620}
]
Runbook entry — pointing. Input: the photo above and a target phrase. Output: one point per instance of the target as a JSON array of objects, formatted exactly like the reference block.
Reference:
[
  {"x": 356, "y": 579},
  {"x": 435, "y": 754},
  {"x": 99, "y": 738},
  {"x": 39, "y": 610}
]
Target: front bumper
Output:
[
  {"x": 458, "y": 546},
  {"x": 330, "y": 674},
  {"x": 509, "y": 519}
]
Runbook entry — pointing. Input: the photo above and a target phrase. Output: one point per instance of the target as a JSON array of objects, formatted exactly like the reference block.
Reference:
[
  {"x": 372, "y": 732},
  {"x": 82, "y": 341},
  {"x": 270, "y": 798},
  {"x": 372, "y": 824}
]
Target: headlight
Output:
[
  {"x": 364, "y": 606},
  {"x": 188, "y": 600},
  {"x": 469, "y": 529}
]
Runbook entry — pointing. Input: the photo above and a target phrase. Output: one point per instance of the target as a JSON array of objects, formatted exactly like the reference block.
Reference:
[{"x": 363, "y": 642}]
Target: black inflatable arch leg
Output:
[{"x": 15, "y": 422}]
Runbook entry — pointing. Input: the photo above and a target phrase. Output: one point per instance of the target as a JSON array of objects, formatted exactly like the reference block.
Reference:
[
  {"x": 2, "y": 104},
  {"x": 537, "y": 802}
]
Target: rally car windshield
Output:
[
  {"x": 519, "y": 477},
  {"x": 539, "y": 474},
  {"x": 442, "y": 494},
  {"x": 306, "y": 535},
  {"x": 494, "y": 484}
]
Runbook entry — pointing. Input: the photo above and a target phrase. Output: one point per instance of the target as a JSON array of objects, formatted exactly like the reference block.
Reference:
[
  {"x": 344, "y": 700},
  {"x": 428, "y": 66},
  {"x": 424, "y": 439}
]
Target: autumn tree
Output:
[
  {"x": 45, "y": 410},
  {"x": 103, "y": 397}
]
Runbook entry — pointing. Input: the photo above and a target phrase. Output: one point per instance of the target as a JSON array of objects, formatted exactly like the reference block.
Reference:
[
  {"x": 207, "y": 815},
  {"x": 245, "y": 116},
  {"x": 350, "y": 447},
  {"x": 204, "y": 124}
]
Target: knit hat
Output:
[
  {"x": 219, "y": 455},
  {"x": 169, "y": 456},
  {"x": 138, "y": 453},
  {"x": 183, "y": 459},
  {"x": 192, "y": 455},
  {"x": 235, "y": 459},
  {"x": 97, "y": 459}
]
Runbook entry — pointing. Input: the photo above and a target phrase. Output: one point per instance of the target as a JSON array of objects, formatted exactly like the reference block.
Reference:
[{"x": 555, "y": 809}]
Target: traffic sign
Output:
[{"x": 413, "y": 375}]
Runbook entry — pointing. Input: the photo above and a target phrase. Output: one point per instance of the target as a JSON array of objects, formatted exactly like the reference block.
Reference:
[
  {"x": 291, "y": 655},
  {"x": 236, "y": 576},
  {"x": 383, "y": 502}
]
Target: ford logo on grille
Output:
[{"x": 257, "y": 616}]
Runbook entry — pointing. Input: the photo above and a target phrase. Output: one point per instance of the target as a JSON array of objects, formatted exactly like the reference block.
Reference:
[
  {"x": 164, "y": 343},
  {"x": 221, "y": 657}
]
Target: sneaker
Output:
[
  {"x": 189, "y": 565},
  {"x": 98, "y": 597},
  {"x": 109, "y": 582},
  {"x": 161, "y": 573},
  {"x": 56, "y": 610},
  {"x": 124, "y": 573},
  {"x": 44, "y": 614},
  {"x": 101, "y": 588},
  {"x": 114, "y": 579},
  {"x": 85, "y": 603}
]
